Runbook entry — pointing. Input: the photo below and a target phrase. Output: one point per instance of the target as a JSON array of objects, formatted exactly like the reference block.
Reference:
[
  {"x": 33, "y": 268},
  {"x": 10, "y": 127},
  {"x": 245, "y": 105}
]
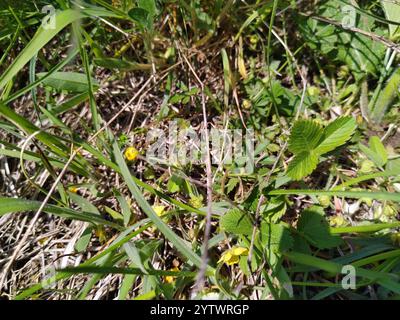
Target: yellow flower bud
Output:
[
  {"x": 171, "y": 279},
  {"x": 131, "y": 153},
  {"x": 159, "y": 210}
]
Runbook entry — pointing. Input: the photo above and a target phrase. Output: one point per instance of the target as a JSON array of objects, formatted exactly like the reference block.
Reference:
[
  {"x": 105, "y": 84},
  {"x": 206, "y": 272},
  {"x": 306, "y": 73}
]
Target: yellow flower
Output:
[
  {"x": 159, "y": 210},
  {"x": 101, "y": 234},
  {"x": 171, "y": 279},
  {"x": 246, "y": 104},
  {"x": 233, "y": 255},
  {"x": 253, "y": 39},
  {"x": 131, "y": 153},
  {"x": 73, "y": 189}
]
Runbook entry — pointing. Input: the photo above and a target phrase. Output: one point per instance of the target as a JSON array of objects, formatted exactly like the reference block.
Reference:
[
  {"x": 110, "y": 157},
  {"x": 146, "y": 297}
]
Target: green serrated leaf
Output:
[
  {"x": 369, "y": 153},
  {"x": 376, "y": 151},
  {"x": 305, "y": 136},
  {"x": 314, "y": 227},
  {"x": 236, "y": 222},
  {"x": 302, "y": 165},
  {"x": 335, "y": 134},
  {"x": 308, "y": 141},
  {"x": 275, "y": 209},
  {"x": 275, "y": 237},
  {"x": 379, "y": 149},
  {"x": 231, "y": 185}
]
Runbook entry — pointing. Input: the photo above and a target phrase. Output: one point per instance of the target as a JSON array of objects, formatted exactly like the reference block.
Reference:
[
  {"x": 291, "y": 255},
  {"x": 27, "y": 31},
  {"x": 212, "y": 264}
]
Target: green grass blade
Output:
[
  {"x": 12, "y": 205},
  {"x": 376, "y": 195},
  {"x": 40, "y": 39}
]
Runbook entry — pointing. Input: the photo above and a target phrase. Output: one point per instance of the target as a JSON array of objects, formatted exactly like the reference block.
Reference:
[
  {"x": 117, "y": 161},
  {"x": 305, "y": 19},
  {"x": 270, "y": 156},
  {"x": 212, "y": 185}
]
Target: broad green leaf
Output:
[
  {"x": 275, "y": 237},
  {"x": 275, "y": 209},
  {"x": 236, "y": 222},
  {"x": 141, "y": 16},
  {"x": 392, "y": 12},
  {"x": 308, "y": 141},
  {"x": 376, "y": 151},
  {"x": 305, "y": 136},
  {"x": 318, "y": 37},
  {"x": 149, "y": 6},
  {"x": 379, "y": 149},
  {"x": 302, "y": 165},
  {"x": 386, "y": 97},
  {"x": 174, "y": 184},
  {"x": 314, "y": 227},
  {"x": 335, "y": 134},
  {"x": 393, "y": 167},
  {"x": 362, "y": 54},
  {"x": 68, "y": 81}
]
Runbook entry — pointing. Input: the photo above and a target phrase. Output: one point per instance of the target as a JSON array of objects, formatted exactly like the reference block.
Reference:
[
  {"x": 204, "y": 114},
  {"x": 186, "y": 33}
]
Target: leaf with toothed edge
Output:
[
  {"x": 308, "y": 141},
  {"x": 336, "y": 134}
]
